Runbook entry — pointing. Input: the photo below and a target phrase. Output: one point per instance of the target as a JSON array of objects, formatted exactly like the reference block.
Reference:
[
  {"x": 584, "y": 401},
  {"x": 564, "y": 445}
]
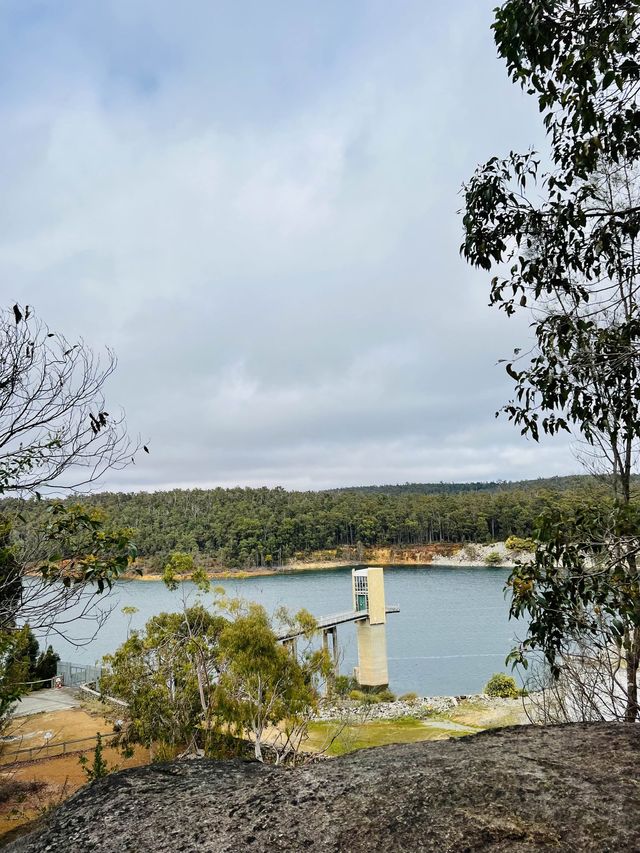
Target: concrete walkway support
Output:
[{"x": 333, "y": 633}]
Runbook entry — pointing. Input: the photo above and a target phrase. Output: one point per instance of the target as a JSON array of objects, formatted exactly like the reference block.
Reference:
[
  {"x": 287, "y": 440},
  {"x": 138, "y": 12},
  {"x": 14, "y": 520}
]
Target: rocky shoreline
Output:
[
  {"x": 460, "y": 556},
  {"x": 419, "y": 708}
]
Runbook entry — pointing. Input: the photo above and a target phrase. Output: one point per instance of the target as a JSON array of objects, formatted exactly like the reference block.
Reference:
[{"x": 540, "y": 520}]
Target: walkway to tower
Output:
[
  {"x": 330, "y": 622},
  {"x": 329, "y": 627}
]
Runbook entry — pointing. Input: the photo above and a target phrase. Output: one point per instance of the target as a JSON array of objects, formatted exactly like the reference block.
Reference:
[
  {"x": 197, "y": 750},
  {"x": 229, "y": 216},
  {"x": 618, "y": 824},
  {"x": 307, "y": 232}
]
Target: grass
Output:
[
  {"x": 475, "y": 717},
  {"x": 488, "y": 716},
  {"x": 375, "y": 733}
]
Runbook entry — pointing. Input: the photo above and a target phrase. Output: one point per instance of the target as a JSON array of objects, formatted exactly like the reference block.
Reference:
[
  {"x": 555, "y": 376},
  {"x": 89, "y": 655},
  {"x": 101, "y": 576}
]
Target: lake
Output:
[{"x": 451, "y": 634}]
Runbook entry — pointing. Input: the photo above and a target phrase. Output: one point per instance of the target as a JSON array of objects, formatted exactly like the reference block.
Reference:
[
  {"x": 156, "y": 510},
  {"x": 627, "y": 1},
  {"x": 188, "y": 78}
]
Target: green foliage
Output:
[
  {"x": 197, "y": 679},
  {"x": 493, "y": 558},
  {"x": 409, "y": 697},
  {"x": 516, "y": 543},
  {"x": 179, "y": 567},
  {"x": 387, "y": 696},
  {"x": 263, "y": 684},
  {"x": 562, "y": 241},
  {"x": 240, "y": 527},
  {"x": 98, "y": 768},
  {"x": 365, "y": 697},
  {"x": 55, "y": 435},
  {"x": 502, "y": 686},
  {"x": 574, "y": 586},
  {"x": 580, "y": 60},
  {"x": 167, "y": 676},
  {"x": 84, "y": 548},
  {"x": 343, "y": 685},
  {"x": 46, "y": 664},
  {"x": 372, "y": 696},
  {"x": 554, "y": 237}
]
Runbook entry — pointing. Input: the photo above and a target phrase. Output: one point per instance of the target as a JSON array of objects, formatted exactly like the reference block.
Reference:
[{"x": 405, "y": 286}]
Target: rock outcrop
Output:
[{"x": 565, "y": 788}]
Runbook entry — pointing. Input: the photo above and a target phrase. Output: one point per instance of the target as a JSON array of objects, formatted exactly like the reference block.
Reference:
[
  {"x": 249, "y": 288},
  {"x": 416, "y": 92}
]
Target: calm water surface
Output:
[{"x": 451, "y": 634}]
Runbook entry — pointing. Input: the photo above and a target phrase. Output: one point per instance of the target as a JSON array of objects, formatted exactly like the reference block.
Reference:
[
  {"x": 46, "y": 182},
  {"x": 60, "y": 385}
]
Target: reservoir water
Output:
[{"x": 451, "y": 634}]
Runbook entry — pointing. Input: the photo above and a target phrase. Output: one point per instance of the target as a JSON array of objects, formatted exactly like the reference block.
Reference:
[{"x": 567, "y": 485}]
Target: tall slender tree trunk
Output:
[{"x": 632, "y": 654}]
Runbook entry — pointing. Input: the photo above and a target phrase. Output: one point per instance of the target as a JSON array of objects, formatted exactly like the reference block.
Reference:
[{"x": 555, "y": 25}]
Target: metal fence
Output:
[
  {"x": 51, "y": 750},
  {"x": 75, "y": 674}
]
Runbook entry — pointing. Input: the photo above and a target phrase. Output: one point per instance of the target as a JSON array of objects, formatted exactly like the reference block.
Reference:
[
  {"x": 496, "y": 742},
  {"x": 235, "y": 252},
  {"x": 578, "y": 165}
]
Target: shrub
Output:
[
  {"x": 47, "y": 664},
  {"x": 343, "y": 685},
  {"x": 365, "y": 697},
  {"x": 515, "y": 543},
  {"x": 493, "y": 558},
  {"x": 409, "y": 697},
  {"x": 470, "y": 552},
  {"x": 386, "y": 695},
  {"x": 502, "y": 686},
  {"x": 98, "y": 768},
  {"x": 372, "y": 695}
]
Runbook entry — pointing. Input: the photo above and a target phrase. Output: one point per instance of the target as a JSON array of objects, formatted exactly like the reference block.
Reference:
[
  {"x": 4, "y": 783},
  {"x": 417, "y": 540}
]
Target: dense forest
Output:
[
  {"x": 246, "y": 527},
  {"x": 572, "y": 481}
]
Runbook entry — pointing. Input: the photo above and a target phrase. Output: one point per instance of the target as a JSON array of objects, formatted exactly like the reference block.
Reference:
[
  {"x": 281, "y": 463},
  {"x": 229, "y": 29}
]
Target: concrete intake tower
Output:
[{"x": 371, "y": 631}]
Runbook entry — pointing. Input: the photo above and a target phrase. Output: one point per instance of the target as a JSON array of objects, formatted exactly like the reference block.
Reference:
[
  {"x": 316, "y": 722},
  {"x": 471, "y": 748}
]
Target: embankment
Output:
[{"x": 437, "y": 554}]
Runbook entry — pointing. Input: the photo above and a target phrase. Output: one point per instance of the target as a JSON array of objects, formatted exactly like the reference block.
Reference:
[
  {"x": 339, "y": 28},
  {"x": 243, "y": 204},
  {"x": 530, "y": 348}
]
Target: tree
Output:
[
  {"x": 266, "y": 689},
  {"x": 563, "y": 244},
  {"x": 196, "y": 680},
  {"x": 98, "y": 768},
  {"x": 167, "y": 676},
  {"x": 55, "y": 432},
  {"x": 55, "y": 435}
]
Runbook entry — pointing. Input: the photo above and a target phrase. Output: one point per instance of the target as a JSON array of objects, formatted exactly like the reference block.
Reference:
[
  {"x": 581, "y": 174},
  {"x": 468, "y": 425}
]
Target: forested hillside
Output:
[
  {"x": 573, "y": 481},
  {"x": 257, "y": 527}
]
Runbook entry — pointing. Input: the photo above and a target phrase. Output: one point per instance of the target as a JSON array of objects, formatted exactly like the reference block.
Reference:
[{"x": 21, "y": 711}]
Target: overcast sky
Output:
[{"x": 254, "y": 204}]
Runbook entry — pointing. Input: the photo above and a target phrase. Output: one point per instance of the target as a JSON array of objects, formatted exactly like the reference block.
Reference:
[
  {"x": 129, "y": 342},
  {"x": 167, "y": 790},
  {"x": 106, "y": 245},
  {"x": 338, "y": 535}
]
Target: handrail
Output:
[
  {"x": 332, "y": 619},
  {"x": 60, "y": 748}
]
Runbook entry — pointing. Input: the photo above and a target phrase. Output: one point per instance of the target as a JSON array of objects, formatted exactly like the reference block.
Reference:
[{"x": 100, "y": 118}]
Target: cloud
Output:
[{"x": 257, "y": 210}]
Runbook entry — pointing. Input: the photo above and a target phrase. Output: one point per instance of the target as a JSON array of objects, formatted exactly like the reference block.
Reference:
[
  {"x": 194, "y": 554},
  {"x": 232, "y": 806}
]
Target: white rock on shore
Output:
[
  {"x": 476, "y": 555},
  {"x": 420, "y": 708}
]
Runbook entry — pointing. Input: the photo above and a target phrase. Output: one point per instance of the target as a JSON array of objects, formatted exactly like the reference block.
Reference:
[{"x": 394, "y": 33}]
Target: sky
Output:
[{"x": 256, "y": 206}]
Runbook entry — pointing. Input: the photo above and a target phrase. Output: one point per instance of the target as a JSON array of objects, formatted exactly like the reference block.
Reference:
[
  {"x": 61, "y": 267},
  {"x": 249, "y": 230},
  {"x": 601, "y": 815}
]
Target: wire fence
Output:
[
  {"x": 73, "y": 674},
  {"x": 52, "y": 750}
]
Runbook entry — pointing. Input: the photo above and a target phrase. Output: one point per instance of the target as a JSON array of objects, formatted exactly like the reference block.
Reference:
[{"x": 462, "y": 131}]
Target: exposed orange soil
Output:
[
  {"x": 388, "y": 556},
  {"x": 56, "y": 778}
]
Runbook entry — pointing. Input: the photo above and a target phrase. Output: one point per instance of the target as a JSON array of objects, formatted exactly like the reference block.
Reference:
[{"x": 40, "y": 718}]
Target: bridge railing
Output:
[{"x": 337, "y": 619}]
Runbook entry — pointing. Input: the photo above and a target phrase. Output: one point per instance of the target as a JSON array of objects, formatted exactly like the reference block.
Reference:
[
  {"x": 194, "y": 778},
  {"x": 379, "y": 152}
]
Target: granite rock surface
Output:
[{"x": 562, "y": 788}]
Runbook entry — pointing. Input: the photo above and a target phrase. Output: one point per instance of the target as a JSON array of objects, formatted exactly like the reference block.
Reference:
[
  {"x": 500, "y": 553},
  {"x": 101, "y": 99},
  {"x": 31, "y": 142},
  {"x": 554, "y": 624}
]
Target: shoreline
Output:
[{"x": 453, "y": 560}]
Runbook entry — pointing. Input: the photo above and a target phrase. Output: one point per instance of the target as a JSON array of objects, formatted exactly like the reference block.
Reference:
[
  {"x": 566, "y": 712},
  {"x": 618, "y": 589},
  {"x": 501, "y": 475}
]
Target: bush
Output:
[
  {"x": 493, "y": 558},
  {"x": 98, "y": 768},
  {"x": 515, "y": 543},
  {"x": 365, "y": 698},
  {"x": 372, "y": 695},
  {"x": 470, "y": 552},
  {"x": 343, "y": 685},
  {"x": 386, "y": 696},
  {"x": 409, "y": 697},
  {"x": 502, "y": 686}
]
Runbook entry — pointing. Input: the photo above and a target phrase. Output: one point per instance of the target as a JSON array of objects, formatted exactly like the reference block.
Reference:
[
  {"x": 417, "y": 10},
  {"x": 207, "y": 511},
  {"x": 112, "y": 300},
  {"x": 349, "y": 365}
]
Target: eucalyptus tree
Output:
[
  {"x": 167, "y": 676},
  {"x": 560, "y": 233},
  {"x": 56, "y": 438},
  {"x": 217, "y": 680},
  {"x": 266, "y": 690}
]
